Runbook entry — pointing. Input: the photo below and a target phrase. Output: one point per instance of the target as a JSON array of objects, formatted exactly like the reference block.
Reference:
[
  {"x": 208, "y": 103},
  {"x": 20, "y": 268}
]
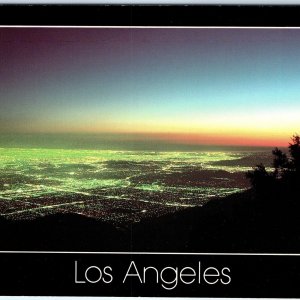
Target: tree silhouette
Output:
[
  {"x": 280, "y": 163},
  {"x": 260, "y": 179},
  {"x": 286, "y": 174},
  {"x": 294, "y": 149}
]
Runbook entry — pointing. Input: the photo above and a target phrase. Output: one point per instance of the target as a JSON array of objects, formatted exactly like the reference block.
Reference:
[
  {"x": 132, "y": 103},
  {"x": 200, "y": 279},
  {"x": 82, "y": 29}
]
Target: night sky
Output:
[{"x": 194, "y": 86}]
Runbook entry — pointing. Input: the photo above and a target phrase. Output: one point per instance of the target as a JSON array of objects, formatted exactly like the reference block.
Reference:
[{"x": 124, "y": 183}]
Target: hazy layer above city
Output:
[{"x": 108, "y": 142}]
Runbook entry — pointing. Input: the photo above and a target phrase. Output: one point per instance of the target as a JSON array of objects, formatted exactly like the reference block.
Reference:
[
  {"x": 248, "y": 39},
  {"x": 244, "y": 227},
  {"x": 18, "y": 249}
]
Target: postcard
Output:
[{"x": 154, "y": 161}]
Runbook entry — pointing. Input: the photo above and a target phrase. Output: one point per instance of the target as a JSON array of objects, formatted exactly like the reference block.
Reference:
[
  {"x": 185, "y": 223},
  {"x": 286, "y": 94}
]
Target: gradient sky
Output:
[{"x": 194, "y": 86}]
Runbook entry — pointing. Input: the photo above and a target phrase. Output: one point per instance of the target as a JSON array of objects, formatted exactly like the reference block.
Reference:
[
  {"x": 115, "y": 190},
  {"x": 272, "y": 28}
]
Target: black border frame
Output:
[
  {"x": 52, "y": 274},
  {"x": 151, "y": 15}
]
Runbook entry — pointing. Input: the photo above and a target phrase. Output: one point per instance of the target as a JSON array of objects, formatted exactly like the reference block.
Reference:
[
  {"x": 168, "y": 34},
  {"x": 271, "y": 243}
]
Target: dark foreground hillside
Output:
[{"x": 237, "y": 223}]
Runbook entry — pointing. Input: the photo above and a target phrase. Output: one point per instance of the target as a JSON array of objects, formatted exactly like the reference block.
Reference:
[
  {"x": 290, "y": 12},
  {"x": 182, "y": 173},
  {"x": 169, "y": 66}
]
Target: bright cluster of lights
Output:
[{"x": 112, "y": 185}]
